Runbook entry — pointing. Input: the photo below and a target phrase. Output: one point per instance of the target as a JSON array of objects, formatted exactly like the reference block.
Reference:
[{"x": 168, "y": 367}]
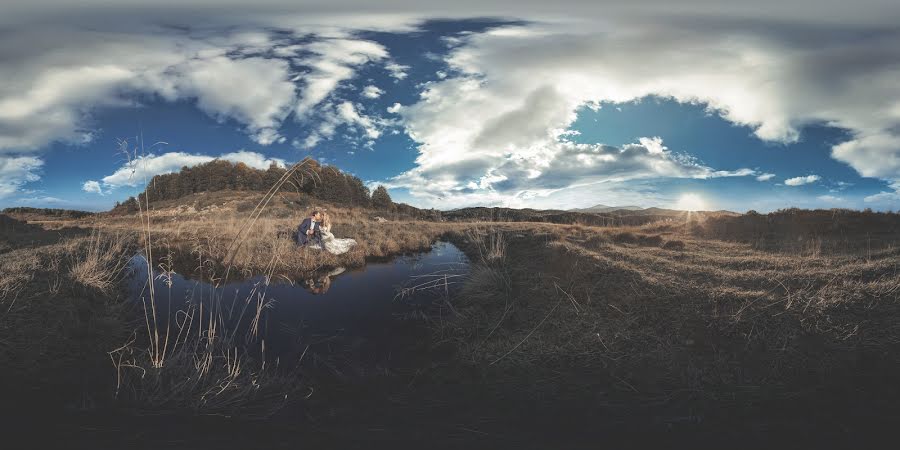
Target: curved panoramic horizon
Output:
[{"x": 702, "y": 105}]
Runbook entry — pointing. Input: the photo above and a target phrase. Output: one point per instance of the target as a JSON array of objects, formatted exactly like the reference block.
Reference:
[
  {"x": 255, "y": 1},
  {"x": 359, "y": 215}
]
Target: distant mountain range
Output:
[
  {"x": 638, "y": 211},
  {"x": 604, "y": 208}
]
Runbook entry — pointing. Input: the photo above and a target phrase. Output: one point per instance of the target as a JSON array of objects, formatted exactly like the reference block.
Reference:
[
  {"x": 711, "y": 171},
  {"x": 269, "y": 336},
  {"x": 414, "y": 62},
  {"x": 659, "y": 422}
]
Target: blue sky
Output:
[{"x": 531, "y": 107}]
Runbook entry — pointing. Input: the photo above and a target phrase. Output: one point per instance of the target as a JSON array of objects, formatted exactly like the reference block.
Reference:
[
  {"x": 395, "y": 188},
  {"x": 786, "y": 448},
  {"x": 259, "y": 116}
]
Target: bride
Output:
[{"x": 334, "y": 245}]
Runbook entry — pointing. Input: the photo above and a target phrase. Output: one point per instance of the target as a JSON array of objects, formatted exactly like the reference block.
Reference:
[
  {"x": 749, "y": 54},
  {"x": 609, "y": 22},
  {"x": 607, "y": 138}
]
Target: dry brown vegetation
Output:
[
  {"x": 659, "y": 323},
  {"x": 207, "y": 224},
  {"x": 695, "y": 321},
  {"x": 60, "y": 311}
]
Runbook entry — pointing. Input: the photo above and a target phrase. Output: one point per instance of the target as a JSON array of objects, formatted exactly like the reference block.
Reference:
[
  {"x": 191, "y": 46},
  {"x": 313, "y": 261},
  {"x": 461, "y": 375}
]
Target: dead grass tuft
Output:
[{"x": 98, "y": 261}]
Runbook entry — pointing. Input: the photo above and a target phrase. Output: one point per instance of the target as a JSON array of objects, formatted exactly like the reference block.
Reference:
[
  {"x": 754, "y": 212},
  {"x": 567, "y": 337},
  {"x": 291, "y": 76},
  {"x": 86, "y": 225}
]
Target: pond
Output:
[{"x": 371, "y": 303}]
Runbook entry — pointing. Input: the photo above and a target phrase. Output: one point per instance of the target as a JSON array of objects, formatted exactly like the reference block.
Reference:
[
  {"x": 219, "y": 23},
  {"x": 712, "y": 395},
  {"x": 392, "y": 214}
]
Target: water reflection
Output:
[
  {"x": 360, "y": 302},
  {"x": 320, "y": 284}
]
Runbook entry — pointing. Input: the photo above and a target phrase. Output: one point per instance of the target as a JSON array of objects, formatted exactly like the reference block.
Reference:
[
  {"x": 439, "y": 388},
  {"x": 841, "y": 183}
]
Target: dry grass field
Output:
[
  {"x": 690, "y": 324},
  {"x": 655, "y": 322}
]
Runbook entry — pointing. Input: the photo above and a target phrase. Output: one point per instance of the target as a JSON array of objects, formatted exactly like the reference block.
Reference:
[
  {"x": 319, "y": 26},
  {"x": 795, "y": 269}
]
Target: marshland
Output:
[{"x": 199, "y": 312}]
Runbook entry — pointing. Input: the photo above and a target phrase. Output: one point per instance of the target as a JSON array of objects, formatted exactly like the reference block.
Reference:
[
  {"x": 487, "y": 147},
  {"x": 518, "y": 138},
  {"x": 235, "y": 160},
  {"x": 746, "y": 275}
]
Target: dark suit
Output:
[{"x": 303, "y": 238}]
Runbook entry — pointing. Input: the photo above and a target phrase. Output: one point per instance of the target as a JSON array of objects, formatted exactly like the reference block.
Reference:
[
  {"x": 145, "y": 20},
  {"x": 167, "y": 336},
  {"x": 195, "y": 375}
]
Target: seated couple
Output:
[{"x": 315, "y": 232}]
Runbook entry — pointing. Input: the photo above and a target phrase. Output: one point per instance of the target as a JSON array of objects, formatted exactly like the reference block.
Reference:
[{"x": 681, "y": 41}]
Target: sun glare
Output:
[{"x": 691, "y": 202}]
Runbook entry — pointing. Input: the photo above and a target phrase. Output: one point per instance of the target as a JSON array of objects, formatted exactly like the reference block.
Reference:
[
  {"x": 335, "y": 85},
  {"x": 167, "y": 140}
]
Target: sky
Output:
[{"x": 774, "y": 104}]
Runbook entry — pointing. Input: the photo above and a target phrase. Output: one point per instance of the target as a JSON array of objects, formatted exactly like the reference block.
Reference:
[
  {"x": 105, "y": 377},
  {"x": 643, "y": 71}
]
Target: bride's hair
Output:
[{"x": 326, "y": 220}]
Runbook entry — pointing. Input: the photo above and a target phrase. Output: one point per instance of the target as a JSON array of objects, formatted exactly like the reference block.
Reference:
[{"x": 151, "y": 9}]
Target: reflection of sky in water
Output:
[{"x": 357, "y": 302}]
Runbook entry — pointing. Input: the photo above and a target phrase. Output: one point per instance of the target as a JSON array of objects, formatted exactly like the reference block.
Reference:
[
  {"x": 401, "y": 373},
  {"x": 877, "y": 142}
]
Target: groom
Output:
[{"x": 309, "y": 231}]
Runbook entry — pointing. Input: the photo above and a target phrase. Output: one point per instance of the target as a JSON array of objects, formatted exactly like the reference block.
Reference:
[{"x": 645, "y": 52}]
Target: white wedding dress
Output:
[{"x": 334, "y": 245}]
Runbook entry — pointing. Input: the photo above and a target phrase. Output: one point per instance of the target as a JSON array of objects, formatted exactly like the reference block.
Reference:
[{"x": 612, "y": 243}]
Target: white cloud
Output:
[
  {"x": 889, "y": 199},
  {"x": 54, "y": 83},
  {"x": 15, "y": 171},
  {"x": 252, "y": 159},
  {"x": 509, "y": 179},
  {"x": 397, "y": 71},
  {"x": 515, "y": 90},
  {"x": 332, "y": 116},
  {"x": 371, "y": 91},
  {"x": 765, "y": 177},
  {"x": 395, "y": 108},
  {"x": 873, "y": 155},
  {"x": 333, "y": 61},
  {"x": 348, "y": 112},
  {"x": 830, "y": 198},
  {"x": 254, "y": 91},
  {"x": 140, "y": 170},
  {"x": 799, "y": 181},
  {"x": 40, "y": 201},
  {"x": 92, "y": 186},
  {"x": 508, "y": 94}
]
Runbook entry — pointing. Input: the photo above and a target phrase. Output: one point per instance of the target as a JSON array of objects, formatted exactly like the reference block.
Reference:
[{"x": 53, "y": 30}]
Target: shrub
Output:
[
  {"x": 653, "y": 240},
  {"x": 624, "y": 238}
]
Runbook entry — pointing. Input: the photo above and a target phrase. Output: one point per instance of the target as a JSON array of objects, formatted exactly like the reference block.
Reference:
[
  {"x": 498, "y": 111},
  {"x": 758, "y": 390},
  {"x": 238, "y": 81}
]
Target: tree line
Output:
[
  {"x": 319, "y": 181},
  {"x": 47, "y": 212}
]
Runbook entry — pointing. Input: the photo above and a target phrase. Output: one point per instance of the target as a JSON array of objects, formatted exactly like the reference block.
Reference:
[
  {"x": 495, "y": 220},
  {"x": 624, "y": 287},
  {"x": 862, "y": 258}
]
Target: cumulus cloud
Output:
[
  {"x": 15, "y": 171},
  {"x": 516, "y": 89},
  {"x": 395, "y": 108},
  {"x": 873, "y": 155},
  {"x": 886, "y": 198},
  {"x": 397, "y": 71},
  {"x": 371, "y": 91},
  {"x": 140, "y": 170},
  {"x": 50, "y": 91},
  {"x": 555, "y": 167},
  {"x": 503, "y": 104},
  {"x": 92, "y": 186},
  {"x": 255, "y": 78},
  {"x": 800, "y": 181},
  {"x": 765, "y": 177},
  {"x": 253, "y": 91}
]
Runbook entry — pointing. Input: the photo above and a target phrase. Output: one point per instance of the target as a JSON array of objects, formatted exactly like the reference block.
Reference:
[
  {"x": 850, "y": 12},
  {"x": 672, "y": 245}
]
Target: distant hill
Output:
[
  {"x": 805, "y": 229},
  {"x": 10, "y": 224},
  {"x": 26, "y": 213},
  {"x": 621, "y": 217},
  {"x": 322, "y": 182},
  {"x": 604, "y": 208}
]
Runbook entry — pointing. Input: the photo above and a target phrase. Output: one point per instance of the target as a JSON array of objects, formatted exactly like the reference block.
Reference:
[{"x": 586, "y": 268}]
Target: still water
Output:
[{"x": 368, "y": 302}]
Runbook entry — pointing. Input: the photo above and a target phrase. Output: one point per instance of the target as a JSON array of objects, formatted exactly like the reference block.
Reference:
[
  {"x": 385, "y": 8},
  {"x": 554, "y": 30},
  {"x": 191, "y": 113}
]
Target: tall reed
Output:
[{"x": 208, "y": 356}]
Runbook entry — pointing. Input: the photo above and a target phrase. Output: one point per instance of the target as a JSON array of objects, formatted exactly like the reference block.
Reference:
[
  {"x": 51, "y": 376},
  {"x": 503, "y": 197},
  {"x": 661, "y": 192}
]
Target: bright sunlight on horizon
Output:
[{"x": 692, "y": 202}]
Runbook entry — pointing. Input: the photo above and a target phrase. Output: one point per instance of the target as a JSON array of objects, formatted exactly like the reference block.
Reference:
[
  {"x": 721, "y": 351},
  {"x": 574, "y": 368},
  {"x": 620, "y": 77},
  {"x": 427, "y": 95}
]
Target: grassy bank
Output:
[
  {"x": 656, "y": 327},
  {"x": 212, "y": 227},
  {"x": 60, "y": 311},
  {"x": 559, "y": 333}
]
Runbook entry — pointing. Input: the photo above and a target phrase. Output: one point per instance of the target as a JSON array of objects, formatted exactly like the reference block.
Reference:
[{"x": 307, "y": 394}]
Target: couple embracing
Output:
[{"x": 315, "y": 232}]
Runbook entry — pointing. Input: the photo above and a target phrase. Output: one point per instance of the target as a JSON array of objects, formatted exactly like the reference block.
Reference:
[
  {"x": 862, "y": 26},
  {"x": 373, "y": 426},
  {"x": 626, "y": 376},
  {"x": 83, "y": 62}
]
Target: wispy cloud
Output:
[
  {"x": 15, "y": 171},
  {"x": 799, "y": 181},
  {"x": 397, "y": 71}
]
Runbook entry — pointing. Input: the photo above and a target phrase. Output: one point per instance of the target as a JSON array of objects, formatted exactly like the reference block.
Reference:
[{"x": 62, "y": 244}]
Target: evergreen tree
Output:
[
  {"x": 272, "y": 175},
  {"x": 381, "y": 199}
]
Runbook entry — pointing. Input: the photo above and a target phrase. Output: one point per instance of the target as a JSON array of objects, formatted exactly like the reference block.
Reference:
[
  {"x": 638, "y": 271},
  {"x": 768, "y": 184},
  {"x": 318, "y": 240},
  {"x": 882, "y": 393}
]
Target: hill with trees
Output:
[
  {"x": 28, "y": 213},
  {"x": 323, "y": 182}
]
